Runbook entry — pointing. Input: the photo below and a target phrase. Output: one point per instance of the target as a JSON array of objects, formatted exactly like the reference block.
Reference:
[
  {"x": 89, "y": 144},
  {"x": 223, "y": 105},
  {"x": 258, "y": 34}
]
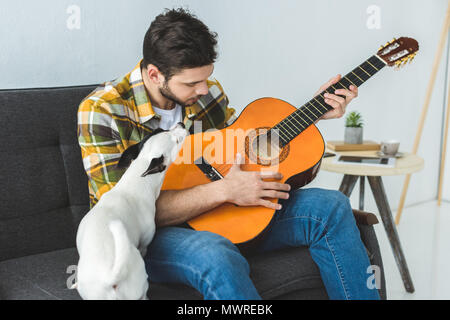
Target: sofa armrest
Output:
[{"x": 365, "y": 218}]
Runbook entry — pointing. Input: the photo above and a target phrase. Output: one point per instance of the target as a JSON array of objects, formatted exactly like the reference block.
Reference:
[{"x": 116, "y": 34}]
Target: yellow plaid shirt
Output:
[{"x": 118, "y": 114}]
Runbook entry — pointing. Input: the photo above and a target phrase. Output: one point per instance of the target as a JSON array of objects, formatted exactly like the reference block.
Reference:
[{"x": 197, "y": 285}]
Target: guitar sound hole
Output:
[{"x": 262, "y": 148}]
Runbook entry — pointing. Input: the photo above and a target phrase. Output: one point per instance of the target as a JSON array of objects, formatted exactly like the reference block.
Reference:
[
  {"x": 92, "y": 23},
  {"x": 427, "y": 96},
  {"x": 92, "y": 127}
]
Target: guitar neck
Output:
[{"x": 303, "y": 117}]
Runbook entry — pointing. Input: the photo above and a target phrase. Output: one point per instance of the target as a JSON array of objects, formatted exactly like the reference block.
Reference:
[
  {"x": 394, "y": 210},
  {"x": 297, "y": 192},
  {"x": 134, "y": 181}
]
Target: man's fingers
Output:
[
  {"x": 353, "y": 93},
  {"x": 270, "y": 175},
  {"x": 274, "y": 194},
  {"x": 329, "y": 96},
  {"x": 330, "y": 82},
  {"x": 333, "y": 80},
  {"x": 276, "y": 186},
  {"x": 270, "y": 204}
]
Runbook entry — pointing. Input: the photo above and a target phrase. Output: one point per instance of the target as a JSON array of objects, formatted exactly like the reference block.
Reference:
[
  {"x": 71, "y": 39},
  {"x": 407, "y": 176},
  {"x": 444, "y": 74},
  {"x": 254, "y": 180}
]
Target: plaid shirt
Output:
[{"x": 118, "y": 114}]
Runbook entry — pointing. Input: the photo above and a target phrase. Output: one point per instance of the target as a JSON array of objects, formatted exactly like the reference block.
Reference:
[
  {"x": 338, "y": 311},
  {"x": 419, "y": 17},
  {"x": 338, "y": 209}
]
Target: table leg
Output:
[
  {"x": 361, "y": 192},
  {"x": 347, "y": 184},
  {"x": 379, "y": 194}
]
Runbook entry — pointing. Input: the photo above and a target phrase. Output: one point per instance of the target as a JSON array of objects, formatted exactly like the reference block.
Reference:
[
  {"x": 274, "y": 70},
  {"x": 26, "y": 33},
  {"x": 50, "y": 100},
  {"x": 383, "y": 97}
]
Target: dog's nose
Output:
[{"x": 181, "y": 124}]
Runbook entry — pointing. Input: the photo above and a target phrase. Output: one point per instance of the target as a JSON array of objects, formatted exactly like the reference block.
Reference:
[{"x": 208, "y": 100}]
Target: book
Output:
[{"x": 341, "y": 146}]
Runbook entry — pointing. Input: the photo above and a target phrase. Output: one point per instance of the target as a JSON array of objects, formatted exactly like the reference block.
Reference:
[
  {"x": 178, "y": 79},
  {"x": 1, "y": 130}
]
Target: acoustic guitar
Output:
[{"x": 272, "y": 135}]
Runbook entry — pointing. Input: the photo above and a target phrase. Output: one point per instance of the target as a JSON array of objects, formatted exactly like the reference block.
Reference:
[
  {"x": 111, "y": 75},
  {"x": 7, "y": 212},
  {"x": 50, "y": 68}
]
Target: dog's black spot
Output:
[
  {"x": 156, "y": 165},
  {"x": 132, "y": 152}
]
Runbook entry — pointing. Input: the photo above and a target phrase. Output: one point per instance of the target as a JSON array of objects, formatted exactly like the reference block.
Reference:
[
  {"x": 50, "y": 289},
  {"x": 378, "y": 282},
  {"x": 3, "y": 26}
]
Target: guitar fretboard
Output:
[{"x": 303, "y": 117}]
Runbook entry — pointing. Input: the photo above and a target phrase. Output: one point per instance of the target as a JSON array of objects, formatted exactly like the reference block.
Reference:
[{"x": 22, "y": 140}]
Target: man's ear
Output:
[
  {"x": 156, "y": 165},
  {"x": 154, "y": 74},
  {"x": 129, "y": 155}
]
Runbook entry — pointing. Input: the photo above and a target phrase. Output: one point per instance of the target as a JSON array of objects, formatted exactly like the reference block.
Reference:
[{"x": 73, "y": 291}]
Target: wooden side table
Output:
[{"x": 407, "y": 164}]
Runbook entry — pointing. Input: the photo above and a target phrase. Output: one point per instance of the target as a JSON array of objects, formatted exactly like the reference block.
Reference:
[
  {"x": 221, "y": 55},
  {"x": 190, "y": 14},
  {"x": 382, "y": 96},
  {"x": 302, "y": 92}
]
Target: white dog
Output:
[{"x": 114, "y": 235}]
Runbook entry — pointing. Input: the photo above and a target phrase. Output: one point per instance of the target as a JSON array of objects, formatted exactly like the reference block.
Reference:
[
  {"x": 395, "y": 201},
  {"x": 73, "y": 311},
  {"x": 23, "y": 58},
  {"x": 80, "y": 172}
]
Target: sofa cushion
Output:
[
  {"x": 48, "y": 276},
  {"x": 43, "y": 190}
]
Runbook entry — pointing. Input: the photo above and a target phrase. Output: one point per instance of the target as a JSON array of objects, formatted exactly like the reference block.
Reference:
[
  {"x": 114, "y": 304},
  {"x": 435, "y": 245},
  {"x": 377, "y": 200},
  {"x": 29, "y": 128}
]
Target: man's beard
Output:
[{"x": 168, "y": 94}]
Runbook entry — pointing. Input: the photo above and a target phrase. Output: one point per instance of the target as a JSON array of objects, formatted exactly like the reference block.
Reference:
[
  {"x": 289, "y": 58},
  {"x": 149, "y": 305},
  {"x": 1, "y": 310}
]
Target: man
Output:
[{"x": 170, "y": 85}]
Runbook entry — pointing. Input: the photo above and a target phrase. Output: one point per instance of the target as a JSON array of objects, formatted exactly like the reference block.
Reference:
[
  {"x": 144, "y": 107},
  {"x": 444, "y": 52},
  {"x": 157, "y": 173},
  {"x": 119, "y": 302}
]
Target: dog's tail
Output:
[{"x": 122, "y": 248}]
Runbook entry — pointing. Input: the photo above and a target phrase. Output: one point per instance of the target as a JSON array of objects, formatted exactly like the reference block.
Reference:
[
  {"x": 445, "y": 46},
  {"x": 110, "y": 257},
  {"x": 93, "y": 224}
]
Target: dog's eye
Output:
[{"x": 114, "y": 286}]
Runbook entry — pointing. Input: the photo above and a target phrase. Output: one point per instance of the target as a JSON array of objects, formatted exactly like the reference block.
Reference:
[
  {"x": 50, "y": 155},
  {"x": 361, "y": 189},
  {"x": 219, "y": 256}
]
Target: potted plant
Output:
[{"x": 353, "y": 128}]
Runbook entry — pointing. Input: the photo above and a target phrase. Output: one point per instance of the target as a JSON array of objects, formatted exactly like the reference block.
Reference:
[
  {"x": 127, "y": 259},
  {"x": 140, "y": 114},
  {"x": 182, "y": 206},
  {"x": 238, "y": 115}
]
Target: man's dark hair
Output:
[{"x": 177, "y": 40}]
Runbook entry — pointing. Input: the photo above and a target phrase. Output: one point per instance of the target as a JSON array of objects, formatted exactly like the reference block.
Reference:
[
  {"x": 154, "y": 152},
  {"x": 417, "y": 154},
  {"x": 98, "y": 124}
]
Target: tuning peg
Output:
[{"x": 393, "y": 40}]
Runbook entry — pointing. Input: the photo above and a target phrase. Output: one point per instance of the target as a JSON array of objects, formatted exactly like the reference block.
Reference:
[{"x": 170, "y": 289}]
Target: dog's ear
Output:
[
  {"x": 156, "y": 165},
  {"x": 132, "y": 152},
  {"x": 129, "y": 155}
]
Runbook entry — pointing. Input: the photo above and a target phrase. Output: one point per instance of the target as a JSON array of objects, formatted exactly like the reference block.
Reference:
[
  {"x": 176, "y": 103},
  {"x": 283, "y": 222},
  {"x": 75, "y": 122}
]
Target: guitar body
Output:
[{"x": 298, "y": 161}]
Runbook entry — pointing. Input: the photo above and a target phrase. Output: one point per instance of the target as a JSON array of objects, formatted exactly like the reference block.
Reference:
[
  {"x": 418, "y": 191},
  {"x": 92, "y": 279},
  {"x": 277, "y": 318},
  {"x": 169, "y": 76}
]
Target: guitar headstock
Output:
[{"x": 399, "y": 51}]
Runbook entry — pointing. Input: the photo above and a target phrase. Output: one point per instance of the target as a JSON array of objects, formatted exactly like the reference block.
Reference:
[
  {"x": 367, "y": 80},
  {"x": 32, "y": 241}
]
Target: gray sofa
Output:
[{"x": 44, "y": 195}]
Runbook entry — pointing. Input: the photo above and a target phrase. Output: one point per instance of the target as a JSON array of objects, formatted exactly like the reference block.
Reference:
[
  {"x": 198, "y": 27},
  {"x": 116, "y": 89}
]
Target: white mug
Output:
[{"x": 390, "y": 147}]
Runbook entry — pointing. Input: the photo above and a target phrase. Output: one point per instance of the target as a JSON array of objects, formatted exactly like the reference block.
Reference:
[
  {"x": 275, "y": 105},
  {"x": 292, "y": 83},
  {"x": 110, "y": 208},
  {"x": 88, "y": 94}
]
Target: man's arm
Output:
[
  {"x": 100, "y": 145},
  {"x": 244, "y": 188},
  {"x": 177, "y": 206}
]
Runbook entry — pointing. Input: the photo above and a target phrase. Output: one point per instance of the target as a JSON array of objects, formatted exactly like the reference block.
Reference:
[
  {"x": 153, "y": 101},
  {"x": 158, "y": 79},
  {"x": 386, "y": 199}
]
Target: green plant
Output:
[{"x": 354, "y": 119}]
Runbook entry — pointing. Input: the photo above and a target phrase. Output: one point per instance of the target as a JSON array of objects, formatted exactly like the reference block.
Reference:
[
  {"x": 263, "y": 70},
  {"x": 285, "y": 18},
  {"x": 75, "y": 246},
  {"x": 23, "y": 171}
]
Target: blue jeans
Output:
[{"x": 320, "y": 219}]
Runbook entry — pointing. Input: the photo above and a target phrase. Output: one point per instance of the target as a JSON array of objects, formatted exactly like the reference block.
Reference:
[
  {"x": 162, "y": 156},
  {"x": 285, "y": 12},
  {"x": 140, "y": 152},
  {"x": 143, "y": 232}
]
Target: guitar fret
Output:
[
  {"x": 313, "y": 114},
  {"x": 301, "y": 118},
  {"x": 376, "y": 62},
  {"x": 292, "y": 123},
  {"x": 286, "y": 131},
  {"x": 348, "y": 78},
  {"x": 364, "y": 71},
  {"x": 333, "y": 88},
  {"x": 319, "y": 103},
  {"x": 311, "y": 111},
  {"x": 306, "y": 115},
  {"x": 316, "y": 109},
  {"x": 342, "y": 84},
  {"x": 284, "y": 141},
  {"x": 357, "y": 82},
  {"x": 362, "y": 81},
  {"x": 372, "y": 65},
  {"x": 306, "y": 109},
  {"x": 293, "y": 117},
  {"x": 363, "y": 75}
]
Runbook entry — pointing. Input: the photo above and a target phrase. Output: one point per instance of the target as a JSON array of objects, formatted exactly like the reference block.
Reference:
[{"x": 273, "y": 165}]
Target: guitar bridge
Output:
[{"x": 209, "y": 171}]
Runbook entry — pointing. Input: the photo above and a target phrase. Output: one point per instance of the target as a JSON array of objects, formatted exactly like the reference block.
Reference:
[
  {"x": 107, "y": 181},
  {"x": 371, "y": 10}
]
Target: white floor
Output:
[{"x": 424, "y": 232}]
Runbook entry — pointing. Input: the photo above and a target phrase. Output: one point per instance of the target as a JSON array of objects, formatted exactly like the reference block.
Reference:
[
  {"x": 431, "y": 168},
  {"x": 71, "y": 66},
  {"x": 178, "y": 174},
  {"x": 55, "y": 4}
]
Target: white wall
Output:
[{"x": 284, "y": 48}]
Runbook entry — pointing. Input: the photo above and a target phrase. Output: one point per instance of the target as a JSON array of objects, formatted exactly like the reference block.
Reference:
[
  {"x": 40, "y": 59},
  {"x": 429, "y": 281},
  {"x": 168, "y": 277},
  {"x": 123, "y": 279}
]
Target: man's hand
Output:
[
  {"x": 247, "y": 188},
  {"x": 338, "y": 103}
]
